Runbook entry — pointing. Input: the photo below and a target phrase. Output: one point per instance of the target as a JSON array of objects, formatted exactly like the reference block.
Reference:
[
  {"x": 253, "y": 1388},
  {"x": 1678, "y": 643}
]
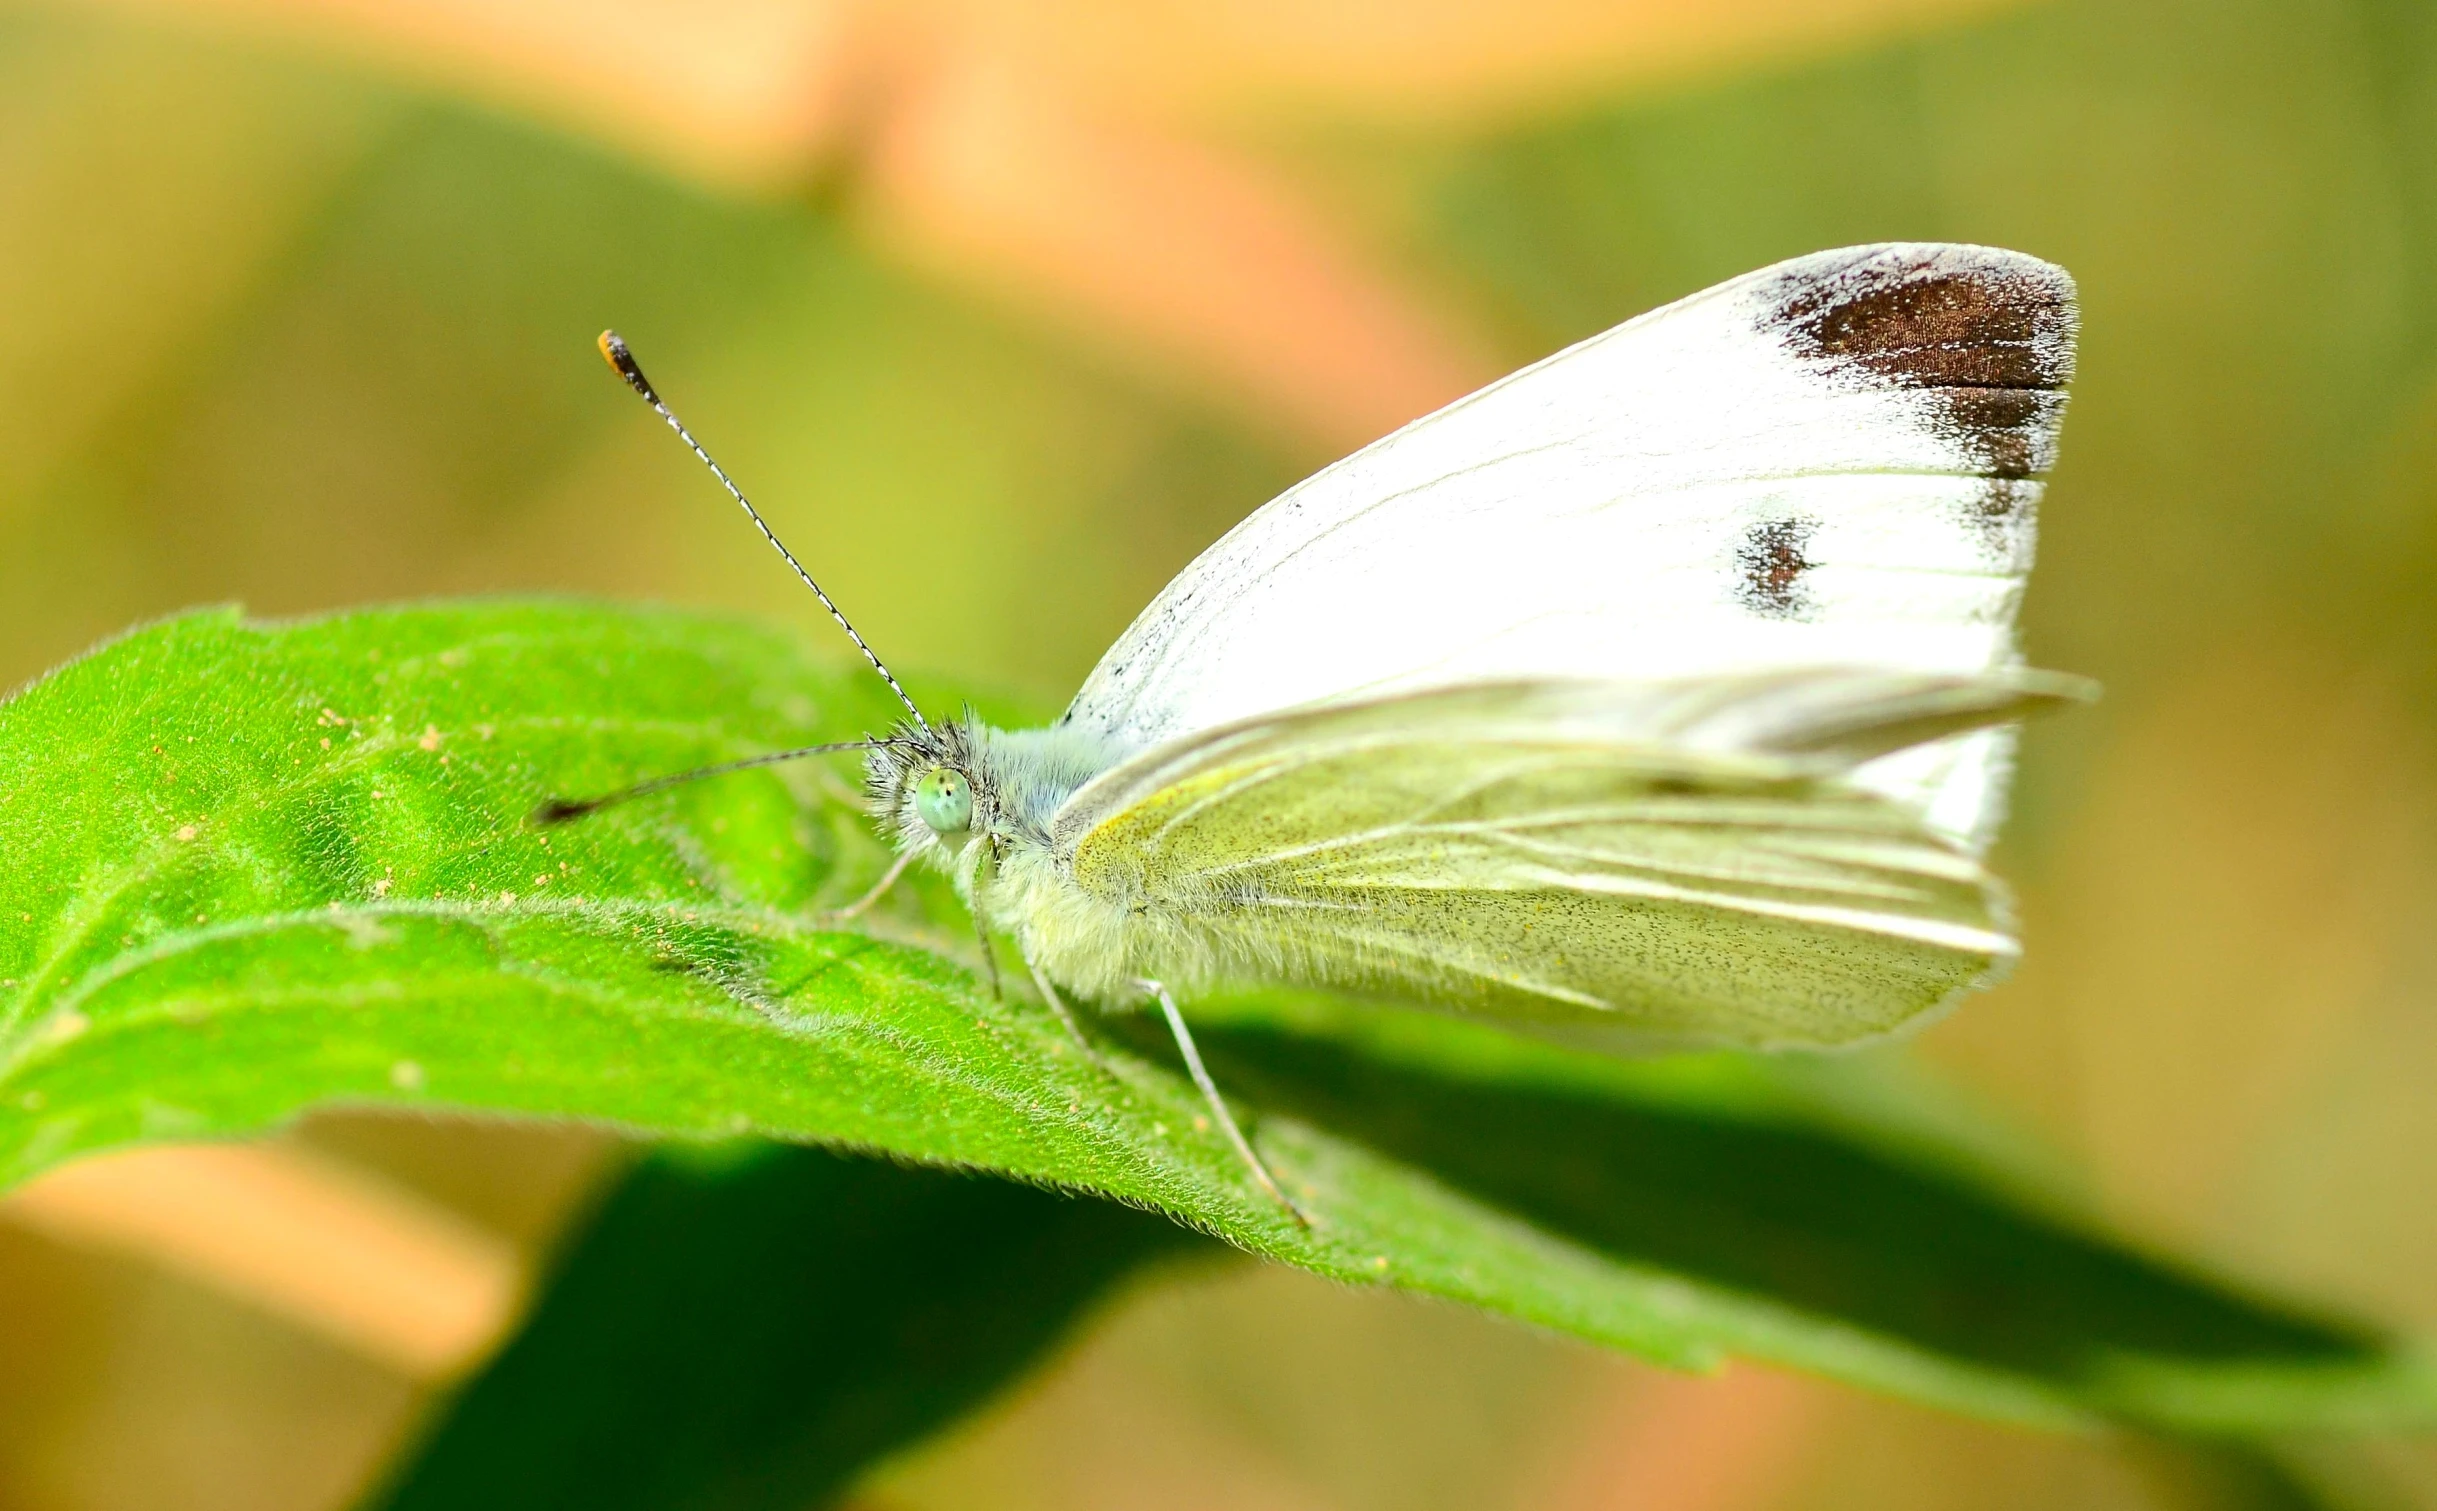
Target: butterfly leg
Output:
[
  {"x": 971, "y": 875},
  {"x": 981, "y": 931},
  {"x": 863, "y": 904},
  {"x": 1057, "y": 1004},
  {"x": 1218, "y": 1105}
]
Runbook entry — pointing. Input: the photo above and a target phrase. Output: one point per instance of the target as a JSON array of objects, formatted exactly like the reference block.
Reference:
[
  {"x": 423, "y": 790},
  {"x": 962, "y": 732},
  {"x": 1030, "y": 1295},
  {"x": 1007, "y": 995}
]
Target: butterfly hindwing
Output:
[{"x": 1640, "y": 864}]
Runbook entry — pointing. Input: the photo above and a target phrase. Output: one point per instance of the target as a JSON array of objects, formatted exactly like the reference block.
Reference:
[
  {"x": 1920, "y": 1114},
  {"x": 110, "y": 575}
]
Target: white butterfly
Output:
[{"x": 1655, "y": 694}]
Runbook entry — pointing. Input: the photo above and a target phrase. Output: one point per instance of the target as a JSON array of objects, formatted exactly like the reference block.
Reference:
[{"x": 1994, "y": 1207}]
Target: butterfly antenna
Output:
[{"x": 622, "y": 361}]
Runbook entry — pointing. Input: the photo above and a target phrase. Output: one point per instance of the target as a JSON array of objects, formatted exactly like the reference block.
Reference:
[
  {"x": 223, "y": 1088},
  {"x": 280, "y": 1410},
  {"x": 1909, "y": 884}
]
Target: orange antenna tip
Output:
[{"x": 622, "y": 362}]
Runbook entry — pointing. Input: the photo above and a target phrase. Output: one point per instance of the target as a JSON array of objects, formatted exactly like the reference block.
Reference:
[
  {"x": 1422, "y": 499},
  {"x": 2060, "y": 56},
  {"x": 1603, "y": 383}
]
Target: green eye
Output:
[{"x": 944, "y": 801}]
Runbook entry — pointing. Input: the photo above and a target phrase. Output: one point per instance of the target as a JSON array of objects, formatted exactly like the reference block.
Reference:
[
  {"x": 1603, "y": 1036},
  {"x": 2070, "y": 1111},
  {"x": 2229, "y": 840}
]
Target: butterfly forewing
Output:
[{"x": 1829, "y": 462}]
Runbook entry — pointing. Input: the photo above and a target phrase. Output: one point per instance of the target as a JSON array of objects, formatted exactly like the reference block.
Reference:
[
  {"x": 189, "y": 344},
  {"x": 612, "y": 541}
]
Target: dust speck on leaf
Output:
[
  {"x": 430, "y": 739},
  {"x": 406, "y": 1075},
  {"x": 187, "y": 831}
]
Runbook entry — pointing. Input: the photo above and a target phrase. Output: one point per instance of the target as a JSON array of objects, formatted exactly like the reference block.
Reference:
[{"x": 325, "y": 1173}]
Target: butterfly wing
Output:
[
  {"x": 1833, "y": 461},
  {"x": 1635, "y": 863}
]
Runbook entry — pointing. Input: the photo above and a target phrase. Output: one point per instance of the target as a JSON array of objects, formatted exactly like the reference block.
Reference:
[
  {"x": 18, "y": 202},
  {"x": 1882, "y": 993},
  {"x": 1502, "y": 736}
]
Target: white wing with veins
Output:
[{"x": 1831, "y": 462}]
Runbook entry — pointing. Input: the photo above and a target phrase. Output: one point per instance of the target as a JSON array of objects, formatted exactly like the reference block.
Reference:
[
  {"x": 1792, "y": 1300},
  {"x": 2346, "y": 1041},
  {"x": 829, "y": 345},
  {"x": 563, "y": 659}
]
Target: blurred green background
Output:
[{"x": 1003, "y": 314}]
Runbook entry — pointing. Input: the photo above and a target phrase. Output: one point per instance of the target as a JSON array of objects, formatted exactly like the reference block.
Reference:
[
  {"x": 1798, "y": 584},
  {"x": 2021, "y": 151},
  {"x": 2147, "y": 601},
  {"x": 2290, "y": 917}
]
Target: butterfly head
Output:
[
  {"x": 958, "y": 790},
  {"x": 932, "y": 788}
]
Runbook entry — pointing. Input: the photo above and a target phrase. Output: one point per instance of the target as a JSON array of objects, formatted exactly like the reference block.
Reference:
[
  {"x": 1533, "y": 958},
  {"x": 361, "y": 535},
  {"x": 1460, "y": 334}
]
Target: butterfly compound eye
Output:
[{"x": 944, "y": 801}]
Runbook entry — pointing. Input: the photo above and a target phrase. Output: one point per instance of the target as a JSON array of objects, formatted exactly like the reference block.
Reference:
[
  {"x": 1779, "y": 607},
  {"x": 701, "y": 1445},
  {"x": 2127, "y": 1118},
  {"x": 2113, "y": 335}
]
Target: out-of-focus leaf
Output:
[
  {"x": 2227, "y": 1474},
  {"x": 256, "y": 868},
  {"x": 745, "y": 1329}
]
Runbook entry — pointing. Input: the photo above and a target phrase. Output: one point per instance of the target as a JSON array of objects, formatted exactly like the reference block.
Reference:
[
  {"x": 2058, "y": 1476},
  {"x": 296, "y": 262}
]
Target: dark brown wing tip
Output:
[
  {"x": 1931, "y": 315},
  {"x": 1990, "y": 333}
]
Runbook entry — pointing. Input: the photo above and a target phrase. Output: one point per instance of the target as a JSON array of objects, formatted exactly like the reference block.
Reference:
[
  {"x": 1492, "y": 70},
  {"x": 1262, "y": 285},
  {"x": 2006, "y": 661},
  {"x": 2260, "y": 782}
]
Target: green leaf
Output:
[
  {"x": 255, "y": 868},
  {"x": 749, "y": 1331}
]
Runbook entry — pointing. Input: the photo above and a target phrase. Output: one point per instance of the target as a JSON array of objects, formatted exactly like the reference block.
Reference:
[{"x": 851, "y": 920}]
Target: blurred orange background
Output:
[{"x": 296, "y": 299}]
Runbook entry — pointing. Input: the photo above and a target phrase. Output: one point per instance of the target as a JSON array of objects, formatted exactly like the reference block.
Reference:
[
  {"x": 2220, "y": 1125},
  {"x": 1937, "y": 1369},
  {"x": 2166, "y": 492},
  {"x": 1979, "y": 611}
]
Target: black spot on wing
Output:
[
  {"x": 1987, "y": 335},
  {"x": 1769, "y": 565}
]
